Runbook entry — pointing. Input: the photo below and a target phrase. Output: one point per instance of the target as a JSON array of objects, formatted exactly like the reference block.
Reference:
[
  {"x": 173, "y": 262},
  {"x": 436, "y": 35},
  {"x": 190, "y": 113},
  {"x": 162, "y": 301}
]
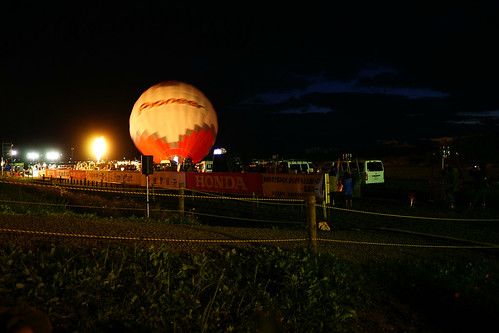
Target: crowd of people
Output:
[
  {"x": 24, "y": 170},
  {"x": 346, "y": 185},
  {"x": 454, "y": 186}
]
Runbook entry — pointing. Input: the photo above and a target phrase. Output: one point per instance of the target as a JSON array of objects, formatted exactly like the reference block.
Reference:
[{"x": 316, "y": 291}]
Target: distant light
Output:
[
  {"x": 99, "y": 148},
  {"x": 52, "y": 156},
  {"x": 32, "y": 156},
  {"x": 219, "y": 151}
]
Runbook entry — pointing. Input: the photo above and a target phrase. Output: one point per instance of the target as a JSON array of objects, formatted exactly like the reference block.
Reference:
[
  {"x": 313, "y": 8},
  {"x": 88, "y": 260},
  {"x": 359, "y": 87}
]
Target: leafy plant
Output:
[{"x": 154, "y": 289}]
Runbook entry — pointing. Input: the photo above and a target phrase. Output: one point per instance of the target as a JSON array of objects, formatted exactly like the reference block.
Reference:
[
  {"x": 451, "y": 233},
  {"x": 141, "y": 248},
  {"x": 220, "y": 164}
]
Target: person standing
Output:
[
  {"x": 480, "y": 185},
  {"x": 451, "y": 182},
  {"x": 333, "y": 186},
  {"x": 347, "y": 189}
]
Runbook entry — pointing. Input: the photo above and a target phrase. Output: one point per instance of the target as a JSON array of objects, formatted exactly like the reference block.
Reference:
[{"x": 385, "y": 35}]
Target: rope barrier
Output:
[
  {"x": 437, "y": 236},
  {"x": 152, "y": 210},
  {"x": 222, "y": 197},
  {"x": 263, "y": 240},
  {"x": 74, "y": 206},
  {"x": 142, "y": 192},
  {"x": 410, "y": 245},
  {"x": 410, "y": 216},
  {"x": 255, "y": 199},
  {"x": 171, "y": 240},
  {"x": 248, "y": 219}
]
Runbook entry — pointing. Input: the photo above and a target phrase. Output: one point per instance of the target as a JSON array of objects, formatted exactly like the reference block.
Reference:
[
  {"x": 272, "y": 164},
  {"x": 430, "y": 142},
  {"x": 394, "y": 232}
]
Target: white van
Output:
[
  {"x": 373, "y": 171},
  {"x": 294, "y": 166}
]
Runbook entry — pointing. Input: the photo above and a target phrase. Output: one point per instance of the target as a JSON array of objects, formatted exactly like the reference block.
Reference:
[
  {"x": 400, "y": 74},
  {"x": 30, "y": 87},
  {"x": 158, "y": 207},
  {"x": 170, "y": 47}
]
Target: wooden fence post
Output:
[{"x": 312, "y": 222}]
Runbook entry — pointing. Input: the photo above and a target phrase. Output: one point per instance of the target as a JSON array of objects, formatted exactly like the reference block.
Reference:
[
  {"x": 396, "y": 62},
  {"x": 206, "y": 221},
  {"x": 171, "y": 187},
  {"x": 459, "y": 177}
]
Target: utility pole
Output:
[{"x": 146, "y": 166}]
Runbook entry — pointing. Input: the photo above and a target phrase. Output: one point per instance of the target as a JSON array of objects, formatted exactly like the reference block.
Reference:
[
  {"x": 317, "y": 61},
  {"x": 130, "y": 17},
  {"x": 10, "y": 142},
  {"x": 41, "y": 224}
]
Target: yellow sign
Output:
[{"x": 323, "y": 225}]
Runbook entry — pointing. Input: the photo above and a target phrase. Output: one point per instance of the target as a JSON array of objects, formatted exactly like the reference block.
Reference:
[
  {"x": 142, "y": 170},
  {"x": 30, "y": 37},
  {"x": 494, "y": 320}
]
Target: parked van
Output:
[
  {"x": 373, "y": 171},
  {"x": 293, "y": 166}
]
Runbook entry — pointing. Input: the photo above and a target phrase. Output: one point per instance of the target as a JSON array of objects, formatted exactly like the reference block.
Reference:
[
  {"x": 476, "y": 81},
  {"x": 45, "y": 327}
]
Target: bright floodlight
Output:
[
  {"x": 99, "y": 147},
  {"x": 52, "y": 155},
  {"x": 32, "y": 156},
  {"x": 219, "y": 151}
]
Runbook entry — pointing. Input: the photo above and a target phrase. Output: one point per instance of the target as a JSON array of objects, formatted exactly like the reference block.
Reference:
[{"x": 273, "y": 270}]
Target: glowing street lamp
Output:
[
  {"x": 52, "y": 155},
  {"x": 99, "y": 148}
]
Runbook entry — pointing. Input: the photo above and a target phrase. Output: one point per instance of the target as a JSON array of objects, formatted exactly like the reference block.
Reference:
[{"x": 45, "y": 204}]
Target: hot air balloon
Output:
[{"x": 173, "y": 121}]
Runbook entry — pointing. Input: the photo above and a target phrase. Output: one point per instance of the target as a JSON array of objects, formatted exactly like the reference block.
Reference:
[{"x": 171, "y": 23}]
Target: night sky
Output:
[{"x": 283, "y": 79}]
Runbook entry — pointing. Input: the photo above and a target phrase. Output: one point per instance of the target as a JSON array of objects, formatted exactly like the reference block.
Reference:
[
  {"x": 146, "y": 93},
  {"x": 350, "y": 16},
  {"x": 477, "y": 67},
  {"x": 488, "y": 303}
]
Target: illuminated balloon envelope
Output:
[{"x": 173, "y": 120}]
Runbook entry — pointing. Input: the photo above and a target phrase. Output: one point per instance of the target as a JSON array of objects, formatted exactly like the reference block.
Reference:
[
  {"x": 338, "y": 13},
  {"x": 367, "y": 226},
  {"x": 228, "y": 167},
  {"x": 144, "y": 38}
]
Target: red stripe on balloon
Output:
[{"x": 196, "y": 146}]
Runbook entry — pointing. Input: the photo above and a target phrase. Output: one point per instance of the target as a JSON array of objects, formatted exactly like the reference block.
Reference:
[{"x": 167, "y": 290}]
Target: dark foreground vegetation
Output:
[
  {"x": 267, "y": 290},
  {"x": 137, "y": 288}
]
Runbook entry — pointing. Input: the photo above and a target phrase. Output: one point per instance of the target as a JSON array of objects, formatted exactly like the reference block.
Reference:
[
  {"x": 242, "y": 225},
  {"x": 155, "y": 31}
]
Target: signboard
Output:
[
  {"x": 78, "y": 174},
  {"x": 96, "y": 176},
  {"x": 291, "y": 186},
  {"x": 124, "y": 177},
  {"x": 62, "y": 173},
  {"x": 51, "y": 173},
  {"x": 225, "y": 182},
  {"x": 269, "y": 185},
  {"x": 164, "y": 179},
  {"x": 147, "y": 164}
]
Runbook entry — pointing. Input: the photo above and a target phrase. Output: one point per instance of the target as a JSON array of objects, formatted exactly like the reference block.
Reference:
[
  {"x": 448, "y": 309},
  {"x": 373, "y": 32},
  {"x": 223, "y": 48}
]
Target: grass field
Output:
[{"x": 265, "y": 289}]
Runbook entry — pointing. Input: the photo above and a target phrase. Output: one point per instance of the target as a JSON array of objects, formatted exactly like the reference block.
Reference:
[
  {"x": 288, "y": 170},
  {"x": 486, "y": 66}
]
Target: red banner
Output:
[{"x": 234, "y": 183}]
